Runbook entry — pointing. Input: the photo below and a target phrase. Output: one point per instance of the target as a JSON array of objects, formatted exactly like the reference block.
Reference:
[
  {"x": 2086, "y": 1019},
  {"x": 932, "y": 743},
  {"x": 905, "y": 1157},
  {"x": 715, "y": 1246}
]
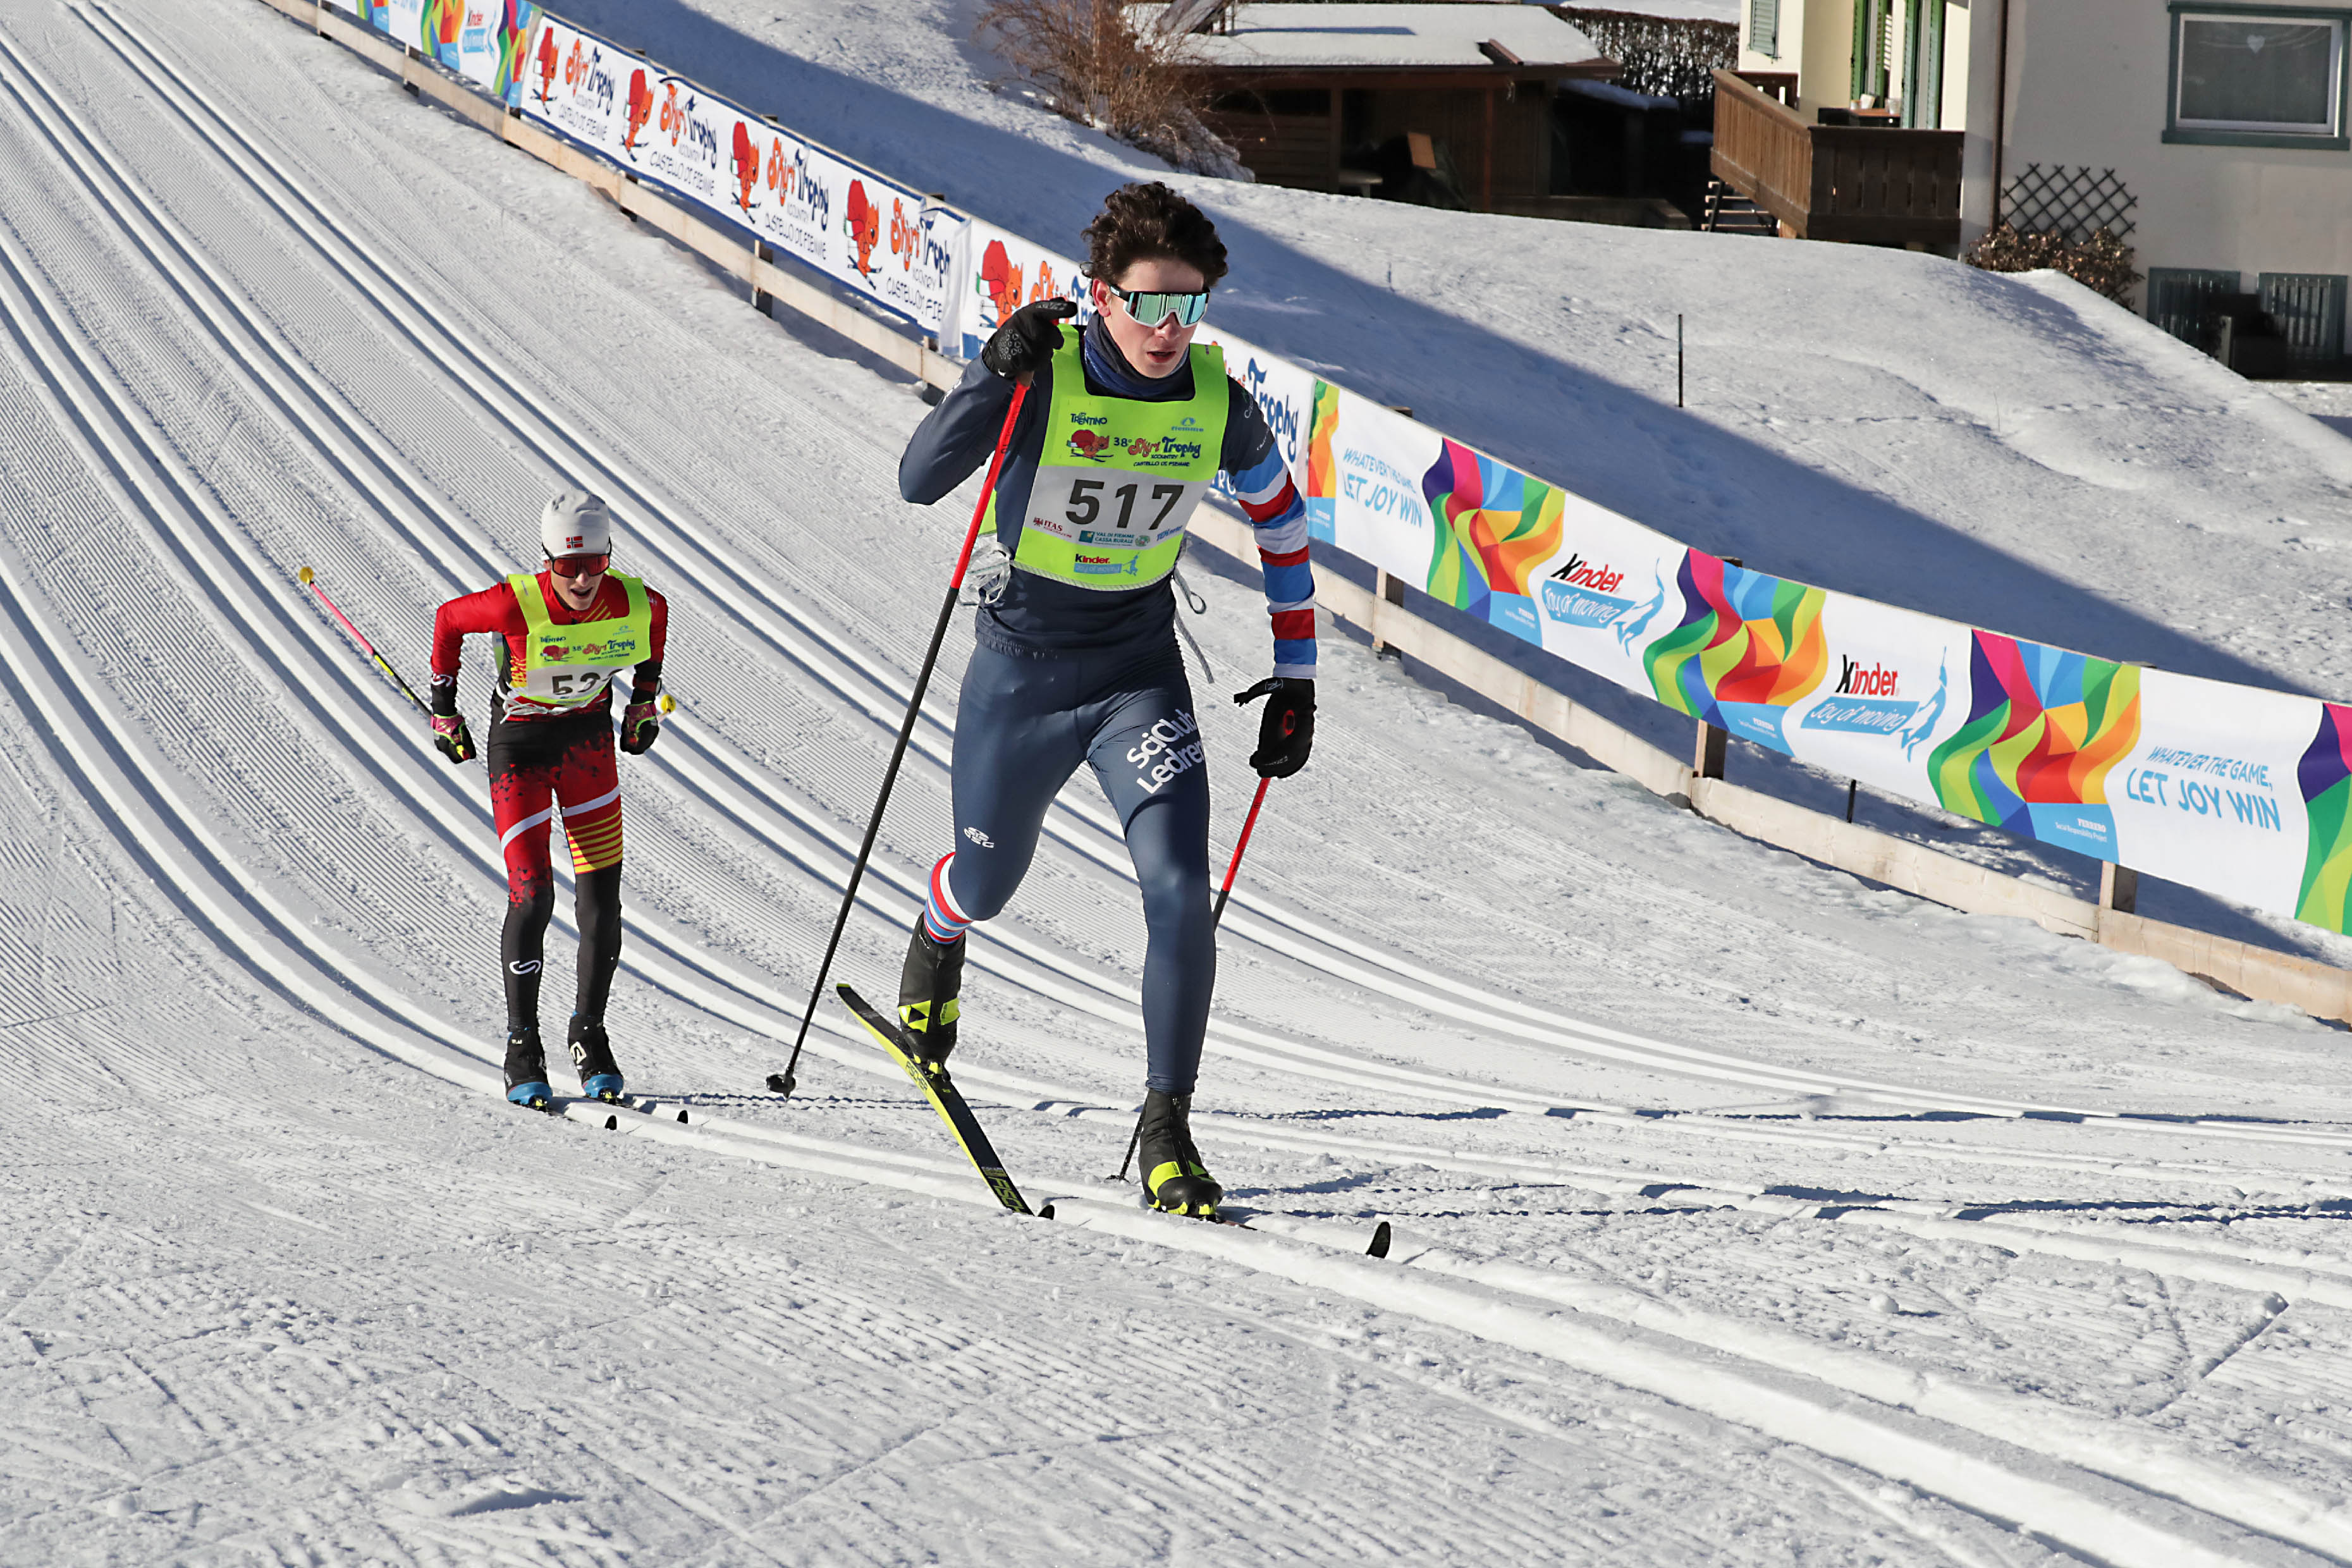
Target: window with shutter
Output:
[{"x": 1764, "y": 27}]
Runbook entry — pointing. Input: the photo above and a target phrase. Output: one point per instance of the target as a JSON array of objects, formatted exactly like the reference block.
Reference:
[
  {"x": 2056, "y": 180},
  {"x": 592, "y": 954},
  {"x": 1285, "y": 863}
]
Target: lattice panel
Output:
[{"x": 2077, "y": 202}]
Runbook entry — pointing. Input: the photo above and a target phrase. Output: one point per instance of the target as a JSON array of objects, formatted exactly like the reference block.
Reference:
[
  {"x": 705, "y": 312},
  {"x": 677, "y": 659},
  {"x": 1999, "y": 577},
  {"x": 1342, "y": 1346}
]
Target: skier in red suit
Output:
[{"x": 568, "y": 632}]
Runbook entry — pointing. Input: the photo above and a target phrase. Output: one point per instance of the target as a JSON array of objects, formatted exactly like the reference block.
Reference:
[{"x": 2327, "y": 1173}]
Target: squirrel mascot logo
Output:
[
  {"x": 641, "y": 109},
  {"x": 1000, "y": 280},
  {"x": 747, "y": 167},
  {"x": 548, "y": 64},
  {"x": 865, "y": 228},
  {"x": 1090, "y": 444}
]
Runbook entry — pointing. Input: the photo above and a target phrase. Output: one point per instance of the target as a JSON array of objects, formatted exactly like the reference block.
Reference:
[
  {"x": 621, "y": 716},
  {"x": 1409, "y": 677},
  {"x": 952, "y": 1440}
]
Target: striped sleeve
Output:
[{"x": 1261, "y": 485}]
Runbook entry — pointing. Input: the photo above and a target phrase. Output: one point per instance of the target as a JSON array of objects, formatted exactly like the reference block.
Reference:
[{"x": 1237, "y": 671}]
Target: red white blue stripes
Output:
[
  {"x": 1270, "y": 500},
  {"x": 940, "y": 916}
]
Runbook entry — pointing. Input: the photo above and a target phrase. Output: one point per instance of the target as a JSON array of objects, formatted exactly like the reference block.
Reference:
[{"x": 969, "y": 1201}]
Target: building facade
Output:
[{"x": 2212, "y": 137}]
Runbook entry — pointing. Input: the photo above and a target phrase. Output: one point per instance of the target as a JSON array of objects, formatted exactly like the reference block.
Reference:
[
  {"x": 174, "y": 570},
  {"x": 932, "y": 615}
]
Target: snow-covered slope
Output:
[{"x": 1745, "y": 1216}]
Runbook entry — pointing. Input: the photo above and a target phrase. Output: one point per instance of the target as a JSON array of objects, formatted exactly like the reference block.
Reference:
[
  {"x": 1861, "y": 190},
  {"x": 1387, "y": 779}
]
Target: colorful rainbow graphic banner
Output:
[
  {"x": 1750, "y": 648},
  {"x": 2243, "y": 793},
  {"x": 2044, "y": 728}
]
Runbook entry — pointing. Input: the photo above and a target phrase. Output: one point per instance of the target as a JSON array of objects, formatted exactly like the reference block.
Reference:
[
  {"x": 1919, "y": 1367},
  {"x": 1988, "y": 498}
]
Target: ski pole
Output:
[
  {"x": 1231, "y": 870},
  {"x": 310, "y": 579},
  {"x": 1240, "y": 844},
  {"x": 785, "y": 1081}
]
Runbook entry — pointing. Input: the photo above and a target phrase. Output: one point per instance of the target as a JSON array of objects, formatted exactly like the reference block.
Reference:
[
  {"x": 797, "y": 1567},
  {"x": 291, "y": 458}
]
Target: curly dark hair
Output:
[{"x": 1142, "y": 222}]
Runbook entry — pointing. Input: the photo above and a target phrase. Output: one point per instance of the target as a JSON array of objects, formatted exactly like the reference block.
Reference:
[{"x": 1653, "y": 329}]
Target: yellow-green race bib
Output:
[
  {"x": 570, "y": 667},
  {"x": 1118, "y": 479}
]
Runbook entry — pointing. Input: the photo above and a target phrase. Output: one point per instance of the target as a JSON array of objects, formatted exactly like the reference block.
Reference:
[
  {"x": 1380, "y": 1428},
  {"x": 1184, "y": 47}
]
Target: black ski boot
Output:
[
  {"x": 592, "y": 1053},
  {"x": 1172, "y": 1173},
  {"x": 527, "y": 1082},
  {"x": 928, "y": 987}
]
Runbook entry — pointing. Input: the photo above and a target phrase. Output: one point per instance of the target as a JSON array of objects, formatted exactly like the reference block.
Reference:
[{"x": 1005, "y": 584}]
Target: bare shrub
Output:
[
  {"x": 1665, "y": 57},
  {"x": 2102, "y": 262},
  {"x": 1100, "y": 68}
]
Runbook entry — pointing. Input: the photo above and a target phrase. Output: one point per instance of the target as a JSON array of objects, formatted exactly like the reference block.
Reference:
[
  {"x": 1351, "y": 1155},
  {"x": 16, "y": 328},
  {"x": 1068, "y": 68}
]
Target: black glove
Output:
[
  {"x": 1027, "y": 339},
  {"x": 450, "y": 735},
  {"x": 1286, "y": 732},
  {"x": 640, "y": 727}
]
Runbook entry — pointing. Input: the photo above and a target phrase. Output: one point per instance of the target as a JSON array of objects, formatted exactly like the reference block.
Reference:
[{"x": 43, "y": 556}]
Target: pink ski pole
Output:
[{"x": 308, "y": 579}]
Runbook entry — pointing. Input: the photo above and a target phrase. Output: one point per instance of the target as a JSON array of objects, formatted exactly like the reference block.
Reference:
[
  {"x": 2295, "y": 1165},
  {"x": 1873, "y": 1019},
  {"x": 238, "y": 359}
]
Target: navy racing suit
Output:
[{"x": 1063, "y": 674}]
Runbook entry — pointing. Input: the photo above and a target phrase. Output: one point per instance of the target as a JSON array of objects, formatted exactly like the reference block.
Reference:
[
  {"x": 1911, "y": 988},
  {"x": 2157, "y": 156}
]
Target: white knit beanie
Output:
[{"x": 575, "y": 523}]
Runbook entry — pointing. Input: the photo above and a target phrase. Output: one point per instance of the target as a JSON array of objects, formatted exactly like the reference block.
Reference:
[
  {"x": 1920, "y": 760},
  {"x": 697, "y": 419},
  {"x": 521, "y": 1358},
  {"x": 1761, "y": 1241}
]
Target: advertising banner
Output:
[
  {"x": 2245, "y": 792},
  {"x": 1285, "y": 392},
  {"x": 998, "y": 272},
  {"x": 575, "y": 85},
  {"x": 881, "y": 239},
  {"x": 850, "y": 224}
]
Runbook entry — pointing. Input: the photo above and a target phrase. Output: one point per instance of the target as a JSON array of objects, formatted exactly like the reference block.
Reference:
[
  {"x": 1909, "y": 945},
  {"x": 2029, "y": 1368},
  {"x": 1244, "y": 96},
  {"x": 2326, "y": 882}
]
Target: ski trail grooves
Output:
[{"x": 2104, "y": 1520}]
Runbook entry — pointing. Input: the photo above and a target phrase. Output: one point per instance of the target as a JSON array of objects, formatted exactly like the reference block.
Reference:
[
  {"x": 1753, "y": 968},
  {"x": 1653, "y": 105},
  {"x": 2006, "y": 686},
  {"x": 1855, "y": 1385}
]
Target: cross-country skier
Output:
[
  {"x": 569, "y": 632},
  {"x": 1125, "y": 426}
]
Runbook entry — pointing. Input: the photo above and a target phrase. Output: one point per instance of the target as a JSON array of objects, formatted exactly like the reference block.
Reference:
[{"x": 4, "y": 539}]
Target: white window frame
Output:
[{"x": 2320, "y": 130}]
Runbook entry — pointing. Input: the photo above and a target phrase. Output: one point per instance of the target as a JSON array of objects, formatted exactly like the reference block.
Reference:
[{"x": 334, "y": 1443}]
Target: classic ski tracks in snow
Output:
[
  {"x": 821, "y": 845},
  {"x": 1762, "y": 1378}
]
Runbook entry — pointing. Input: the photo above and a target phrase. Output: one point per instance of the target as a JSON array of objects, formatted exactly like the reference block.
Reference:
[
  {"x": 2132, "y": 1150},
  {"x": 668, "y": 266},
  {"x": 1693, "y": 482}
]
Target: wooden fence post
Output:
[{"x": 1386, "y": 590}]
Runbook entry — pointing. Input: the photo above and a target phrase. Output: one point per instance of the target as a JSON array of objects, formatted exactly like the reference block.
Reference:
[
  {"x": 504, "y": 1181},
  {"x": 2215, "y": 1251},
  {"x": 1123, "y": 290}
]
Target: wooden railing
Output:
[{"x": 1837, "y": 181}]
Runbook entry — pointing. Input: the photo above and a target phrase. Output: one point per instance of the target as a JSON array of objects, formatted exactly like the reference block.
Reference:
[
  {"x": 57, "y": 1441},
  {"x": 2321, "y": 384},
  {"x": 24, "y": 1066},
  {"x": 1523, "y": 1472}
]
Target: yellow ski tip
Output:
[{"x": 304, "y": 577}]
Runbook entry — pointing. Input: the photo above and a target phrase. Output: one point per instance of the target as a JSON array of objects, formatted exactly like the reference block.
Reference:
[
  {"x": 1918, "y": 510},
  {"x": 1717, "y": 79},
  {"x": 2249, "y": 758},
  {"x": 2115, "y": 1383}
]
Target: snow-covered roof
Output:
[{"x": 1393, "y": 36}]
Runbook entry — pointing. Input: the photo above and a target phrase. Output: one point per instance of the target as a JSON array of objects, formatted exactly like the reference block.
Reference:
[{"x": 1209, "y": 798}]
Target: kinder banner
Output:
[
  {"x": 2245, "y": 792},
  {"x": 879, "y": 238},
  {"x": 484, "y": 41}
]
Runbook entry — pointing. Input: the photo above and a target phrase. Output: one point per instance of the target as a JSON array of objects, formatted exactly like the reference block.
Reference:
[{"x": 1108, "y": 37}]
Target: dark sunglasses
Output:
[
  {"x": 1152, "y": 309},
  {"x": 579, "y": 565}
]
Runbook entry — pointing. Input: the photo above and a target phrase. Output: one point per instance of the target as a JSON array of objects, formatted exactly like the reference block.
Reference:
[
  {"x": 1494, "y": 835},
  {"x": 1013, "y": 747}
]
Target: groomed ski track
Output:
[{"x": 238, "y": 344}]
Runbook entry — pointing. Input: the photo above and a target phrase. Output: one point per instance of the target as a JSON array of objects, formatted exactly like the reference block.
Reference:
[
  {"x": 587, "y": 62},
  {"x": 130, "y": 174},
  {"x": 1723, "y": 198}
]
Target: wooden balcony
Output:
[{"x": 1858, "y": 184}]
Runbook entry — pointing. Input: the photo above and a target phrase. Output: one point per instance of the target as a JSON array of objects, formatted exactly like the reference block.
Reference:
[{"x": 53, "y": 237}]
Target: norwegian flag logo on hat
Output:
[{"x": 575, "y": 522}]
